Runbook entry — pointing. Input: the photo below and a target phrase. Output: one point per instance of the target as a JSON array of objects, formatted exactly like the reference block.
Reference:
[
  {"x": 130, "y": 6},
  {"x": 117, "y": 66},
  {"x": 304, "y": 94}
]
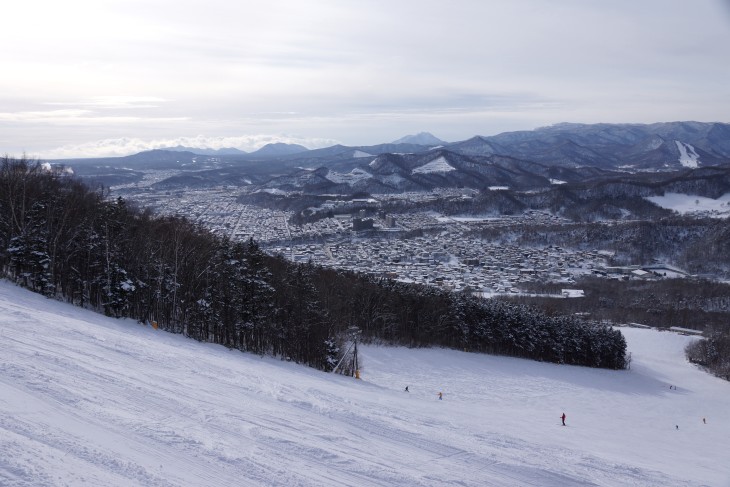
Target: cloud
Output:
[
  {"x": 43, "y": 116},
  {"x": 116, "y": 102},
  {"x": 361, "y": 72},
  {"x": 126, "y": 146},
  {"x": 95, "y": 110},
  {"x": 77, "y": 116}
]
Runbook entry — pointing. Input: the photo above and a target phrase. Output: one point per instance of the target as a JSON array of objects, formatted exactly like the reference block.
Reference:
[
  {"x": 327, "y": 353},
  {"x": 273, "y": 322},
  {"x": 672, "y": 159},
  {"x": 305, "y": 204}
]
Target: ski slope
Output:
[{"x": 89, "y": 400}]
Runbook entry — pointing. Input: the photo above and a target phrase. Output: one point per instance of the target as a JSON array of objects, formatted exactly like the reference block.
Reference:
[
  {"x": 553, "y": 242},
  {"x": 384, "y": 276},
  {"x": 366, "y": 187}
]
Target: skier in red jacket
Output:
[{"x": 563, "y": 418}]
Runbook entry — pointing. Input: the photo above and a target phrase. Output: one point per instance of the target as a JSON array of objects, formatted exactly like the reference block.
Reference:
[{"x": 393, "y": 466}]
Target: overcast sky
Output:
[{"x": 105, "y": 77}]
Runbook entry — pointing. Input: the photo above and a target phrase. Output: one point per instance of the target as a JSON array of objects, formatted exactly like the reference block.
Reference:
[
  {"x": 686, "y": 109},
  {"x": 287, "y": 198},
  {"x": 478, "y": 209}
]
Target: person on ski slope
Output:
[{"x": 563, "y": 418}]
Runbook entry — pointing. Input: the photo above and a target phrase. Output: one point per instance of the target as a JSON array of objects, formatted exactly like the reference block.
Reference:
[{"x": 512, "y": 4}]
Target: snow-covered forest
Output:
[{"x": 59, "y": 238}]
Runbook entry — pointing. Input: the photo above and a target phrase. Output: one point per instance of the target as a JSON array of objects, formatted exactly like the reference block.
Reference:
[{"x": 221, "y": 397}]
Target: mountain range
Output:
[{"x": 524, "y": 160}]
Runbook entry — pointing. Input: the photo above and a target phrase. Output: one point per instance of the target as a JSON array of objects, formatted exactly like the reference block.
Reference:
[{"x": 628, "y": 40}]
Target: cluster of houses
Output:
[
  {"x": 453, "y": 260},
  {"x": 448, "y": 255}
]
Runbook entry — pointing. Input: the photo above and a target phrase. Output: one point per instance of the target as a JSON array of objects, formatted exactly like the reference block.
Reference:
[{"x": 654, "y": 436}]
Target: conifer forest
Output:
[{"x": 69, "y": 242}]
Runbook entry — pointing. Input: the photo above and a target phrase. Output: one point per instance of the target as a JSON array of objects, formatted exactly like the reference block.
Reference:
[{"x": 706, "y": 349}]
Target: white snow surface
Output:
[
  {"x": 692, "y": 204},
  {"x": 474, "y": 218},
  {"x": 655, "y": 143},
  {"x": 350, "y": 178},
  {"x": 91, "y": 400},
  {"x": 358, "y": 154},
  {"x": 394, "y": 179},
  {"x": 440, "y": 164},
  {"x": 273, "y": 191},
  {"x": 688, "y": 157}
]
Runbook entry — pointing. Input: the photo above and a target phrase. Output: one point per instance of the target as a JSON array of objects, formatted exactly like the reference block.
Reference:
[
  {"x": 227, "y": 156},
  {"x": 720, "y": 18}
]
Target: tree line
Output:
[
  {"x": 688, "y": 303},
  {"x": 713, "y": 353},
  {"x": 66, "y": 241}
]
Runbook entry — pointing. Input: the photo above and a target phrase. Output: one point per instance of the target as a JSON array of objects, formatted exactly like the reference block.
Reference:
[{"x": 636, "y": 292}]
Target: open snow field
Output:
[
  {"x": 685, "y": 204},
  {"x": 89, "y": 400}
]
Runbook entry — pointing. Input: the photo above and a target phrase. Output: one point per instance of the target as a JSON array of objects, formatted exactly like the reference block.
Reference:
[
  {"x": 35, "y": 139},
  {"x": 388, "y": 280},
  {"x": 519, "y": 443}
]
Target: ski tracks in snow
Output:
[{"x": 90, "y": 400}]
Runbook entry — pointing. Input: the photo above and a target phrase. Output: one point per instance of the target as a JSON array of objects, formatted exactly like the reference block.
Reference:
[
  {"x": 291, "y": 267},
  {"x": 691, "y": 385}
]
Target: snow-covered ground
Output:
[
  {"x": 691, "y": 204},
  {"x": 353, "y": 177},
  {"x": 474, "y": 218},
  {"x": 440, "y": 164},
  {"x": 89, "y": 400},
  {"x": 688, "y": 157},
  {"x": 359, "y": 154}
]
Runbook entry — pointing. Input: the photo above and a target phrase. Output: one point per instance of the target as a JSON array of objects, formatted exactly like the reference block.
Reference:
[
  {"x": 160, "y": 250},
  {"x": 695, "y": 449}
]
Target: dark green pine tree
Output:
[
  {"x": 28, "y": 252},
  {"x": 302, "y": 321},
  {"x": 116, "y": 285},
  {"x": 258, "y": 295}
]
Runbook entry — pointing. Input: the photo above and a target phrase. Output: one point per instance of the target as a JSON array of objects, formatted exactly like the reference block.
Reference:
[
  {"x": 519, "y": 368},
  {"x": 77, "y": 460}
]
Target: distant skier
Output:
[
  {"x": 704, "y": 421},
  {"x": 563, "y": 418},
  {"x": 407, "y": 389},
  {"x": 676, "y": 426},
  {"x": 441, "y": 397}
]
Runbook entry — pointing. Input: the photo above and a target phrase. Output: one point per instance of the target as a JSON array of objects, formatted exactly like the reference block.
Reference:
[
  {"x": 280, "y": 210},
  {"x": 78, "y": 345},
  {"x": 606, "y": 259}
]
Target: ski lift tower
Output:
[
  {"x": 355, "y": 365},
  {"x": 353, "y": 334}
]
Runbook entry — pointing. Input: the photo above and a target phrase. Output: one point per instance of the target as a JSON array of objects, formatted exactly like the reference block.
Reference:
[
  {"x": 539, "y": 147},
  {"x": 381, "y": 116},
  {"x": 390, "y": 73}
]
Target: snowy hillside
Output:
[
  {"x": 350, "y": 178},
  {"x": 688, "y": 157},
  {"x": 89, "y": 400},
  {"x": 440, "y": 164}
]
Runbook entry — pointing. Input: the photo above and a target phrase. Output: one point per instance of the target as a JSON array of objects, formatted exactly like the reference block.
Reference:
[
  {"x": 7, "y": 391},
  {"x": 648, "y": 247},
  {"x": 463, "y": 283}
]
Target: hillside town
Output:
[
  {"x": 420, "y": 247},
  {"x": 451, "y": 260}
]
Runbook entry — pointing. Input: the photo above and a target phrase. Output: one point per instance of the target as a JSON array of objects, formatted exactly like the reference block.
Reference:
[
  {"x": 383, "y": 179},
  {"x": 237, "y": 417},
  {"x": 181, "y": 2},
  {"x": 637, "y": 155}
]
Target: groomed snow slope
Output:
[
  {"x": 688, "y": 157},
  {"x": 89, "y": 400},
  {"x": 440, "y": 164}
]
